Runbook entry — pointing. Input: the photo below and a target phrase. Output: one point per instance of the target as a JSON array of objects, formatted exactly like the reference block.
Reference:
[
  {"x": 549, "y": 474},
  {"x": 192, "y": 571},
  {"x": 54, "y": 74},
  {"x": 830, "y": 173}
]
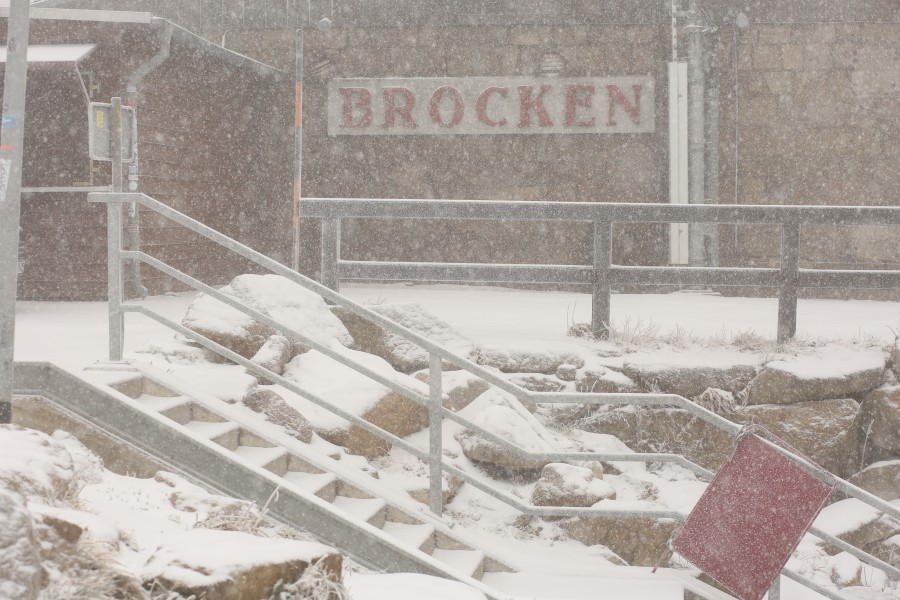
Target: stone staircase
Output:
[{"x": 316, "y": 487}]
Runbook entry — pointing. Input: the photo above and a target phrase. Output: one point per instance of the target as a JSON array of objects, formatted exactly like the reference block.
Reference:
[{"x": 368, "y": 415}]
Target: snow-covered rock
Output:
[
  {"x": 834, "y": 372},
  {"x": 460, "y": 387},
  {"x": 273, "y": 355},
  {"x": 207, "y": 563},
  {"x": 525, "y": 361},
  {"x": 401, "y": 353},
  {"x": 690, "y": 374},
  {"x": 276, "y": 297},
  {"x": 895, "y": 358},
  {"x": 879, "y": 424},
  {"x": 356, "y": 394},
  {"x": 503, "y": 415},
  {"x": 279, "y": 412},
  {"x": 34, "y": 464},
  {"x": 640, "y": 542},
  {"x": 856, "y": 523},
  {"x": 569, "y": 485},
  {"x": 824, "y": 431},
  {"x": 881, "y": 479},
  {"x": 600, "y": 380},
  {"x": 21, "y": 573}
]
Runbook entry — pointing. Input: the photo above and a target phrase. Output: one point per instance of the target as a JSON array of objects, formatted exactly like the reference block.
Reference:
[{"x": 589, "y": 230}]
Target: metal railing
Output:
[
  {"x": 439, "y": 355},
  {"x": 602, "y": 275}
]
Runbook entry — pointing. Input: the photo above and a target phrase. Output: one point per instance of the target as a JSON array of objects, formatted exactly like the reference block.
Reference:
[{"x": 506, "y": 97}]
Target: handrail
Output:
[
  {"x": 601, "y": 274},
  {"x": 117, "y": 256}
]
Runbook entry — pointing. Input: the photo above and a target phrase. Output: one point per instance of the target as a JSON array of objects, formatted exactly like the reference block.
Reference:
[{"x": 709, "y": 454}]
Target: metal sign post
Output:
[{"x": 12, "y": 135}]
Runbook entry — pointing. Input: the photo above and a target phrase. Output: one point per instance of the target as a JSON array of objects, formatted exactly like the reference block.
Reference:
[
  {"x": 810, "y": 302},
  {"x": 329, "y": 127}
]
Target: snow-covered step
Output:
[
  {"x": 370, "y": 510},
  {"x": 416, "y": 536},
  {"x": 467, "y": 562},
  {"x": 177, "y": 408},
  {"x": 224, "y": 433},
  {"x": 628, "y": 586},
  {"x": 323, "y": 485},
  {"x": 272, "y": 459}
]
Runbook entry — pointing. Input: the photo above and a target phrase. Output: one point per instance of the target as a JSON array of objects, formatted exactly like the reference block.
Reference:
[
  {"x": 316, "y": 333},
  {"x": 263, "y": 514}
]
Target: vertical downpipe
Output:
[
  {"x": 435, "y": 434},
  {"x": 298, "y": 147},
  {"x": 114, "y": 239}
]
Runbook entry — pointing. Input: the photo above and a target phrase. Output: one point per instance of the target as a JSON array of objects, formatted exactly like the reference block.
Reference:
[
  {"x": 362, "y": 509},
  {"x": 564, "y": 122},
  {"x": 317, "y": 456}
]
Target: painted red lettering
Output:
[
  {"x": 458, "y": 106},
  {"x": 579, "y": 95},
  {"x": 392, "y": 108},
  {"x": 616, "y": 97},
  {"x": 527, "y": 104},
  {"x": 482, "y": 102},
  {"x": 352, "y": 100}
]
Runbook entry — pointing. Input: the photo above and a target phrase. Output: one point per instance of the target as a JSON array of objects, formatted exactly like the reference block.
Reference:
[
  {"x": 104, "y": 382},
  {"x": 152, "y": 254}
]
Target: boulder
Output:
[
  {"x": 229, "y": 565},
  {"x": 358, "y": 395},
  {"x": 640, "y": 542},
  {"x": 879, "y": 423},
  {"x": 21, "y": 573},
  {"x": 273, "y": 355},
  {"x": 34, "y": 464},
  {"x": 500, "y": 413},
  {"x": 525, "y": 361},
  {"x": 856, "y": 523},
  {"x": 887, "y": 550},
  {"x": 600, "y": 380},
  {"x": 460, "y": 388},
  {"x": 402, "y": 354},
  {"x": 690, "y": 374},
  {"x": 825, "y": 431},
  {"x": 881, "y": 479},
  {"x": 537, "y": 382},
  {"x": 276, "y": 297},
  {"x": 569, "y": 485},
  {"x": 831, "y": 373},
  {"x": 566, "y": 372},
  {"x": 276, "y": 410},
  {"x": 662, "y": 430}
]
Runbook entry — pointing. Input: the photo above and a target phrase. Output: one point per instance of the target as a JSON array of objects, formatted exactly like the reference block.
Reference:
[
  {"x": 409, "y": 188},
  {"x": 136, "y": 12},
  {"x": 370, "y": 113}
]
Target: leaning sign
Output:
[{"x": 487, "y": 105}]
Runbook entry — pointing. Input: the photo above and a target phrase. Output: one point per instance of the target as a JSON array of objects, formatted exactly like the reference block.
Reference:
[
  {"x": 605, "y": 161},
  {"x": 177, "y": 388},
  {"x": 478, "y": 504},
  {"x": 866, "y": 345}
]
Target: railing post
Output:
[
  {"x": 435, "y": 432},
  {"x": 790, "y": 277},
  {"x": 331, "y": 253},
  {"x": 775, "y": 590},
  {"x": 600, "y": 300}
]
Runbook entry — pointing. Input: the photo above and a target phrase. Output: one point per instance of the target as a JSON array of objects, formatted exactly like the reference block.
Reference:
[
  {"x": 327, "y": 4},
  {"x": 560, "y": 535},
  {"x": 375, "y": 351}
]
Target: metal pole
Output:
[
  {"x": 435, "y": 434},
  {"x": 12, "y": 137},
  {"x": 114, "y": 239},
  {"x": 790, "y": 278},
  {"x": 600, "y": 300},
  {"x": 298, "y": 146}
]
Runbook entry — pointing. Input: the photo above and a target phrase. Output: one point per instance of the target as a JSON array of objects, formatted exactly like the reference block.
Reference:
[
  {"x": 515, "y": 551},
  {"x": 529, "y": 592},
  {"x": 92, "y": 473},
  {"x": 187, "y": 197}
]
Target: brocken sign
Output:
[{"x": 486, "y": 105}]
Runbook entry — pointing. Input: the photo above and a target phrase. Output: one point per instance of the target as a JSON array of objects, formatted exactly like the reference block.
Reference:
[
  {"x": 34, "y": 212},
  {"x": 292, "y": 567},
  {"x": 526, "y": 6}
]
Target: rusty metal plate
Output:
[{"x": 751, "y": 518}]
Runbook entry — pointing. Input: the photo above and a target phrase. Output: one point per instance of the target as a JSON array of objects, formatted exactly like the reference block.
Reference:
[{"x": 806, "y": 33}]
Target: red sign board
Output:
[{"x": 751, "y": 518}]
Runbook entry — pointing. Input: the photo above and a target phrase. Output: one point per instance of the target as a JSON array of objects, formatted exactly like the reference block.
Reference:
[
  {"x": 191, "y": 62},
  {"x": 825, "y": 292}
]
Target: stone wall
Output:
[{"x": 817, "y": 113}]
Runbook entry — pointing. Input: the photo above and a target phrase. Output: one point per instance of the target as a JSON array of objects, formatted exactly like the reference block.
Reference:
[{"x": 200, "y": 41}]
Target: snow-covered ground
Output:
[{"x": 73, "y": 334}]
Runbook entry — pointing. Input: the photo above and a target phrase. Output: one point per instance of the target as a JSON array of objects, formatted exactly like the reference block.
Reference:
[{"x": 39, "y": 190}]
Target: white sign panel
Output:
[
  {"x": 100, "y": 132},
  {"x": 488, "y": 105}
]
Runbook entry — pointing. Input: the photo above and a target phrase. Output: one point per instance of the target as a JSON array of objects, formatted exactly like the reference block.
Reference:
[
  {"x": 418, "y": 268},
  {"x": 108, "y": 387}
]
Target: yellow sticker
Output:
[{"x": 99, "y": 119}]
